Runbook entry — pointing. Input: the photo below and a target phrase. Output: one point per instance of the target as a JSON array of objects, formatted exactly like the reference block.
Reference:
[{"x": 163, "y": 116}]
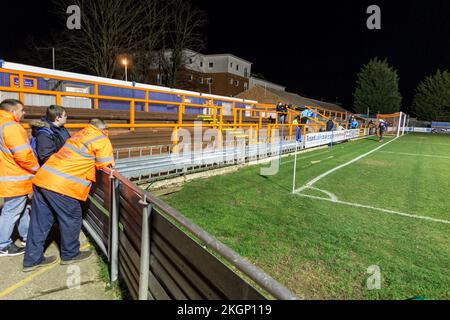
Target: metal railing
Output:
[
  {"x": 160, "y": 254},
  {"x": 140, "y": 97}
]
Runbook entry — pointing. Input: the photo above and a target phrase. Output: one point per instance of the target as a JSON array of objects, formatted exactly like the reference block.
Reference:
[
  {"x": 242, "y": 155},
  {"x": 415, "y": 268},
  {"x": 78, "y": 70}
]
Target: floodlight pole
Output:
[
  {"x": 125, "y": 63},
  {"x": 53, "y": 58}
]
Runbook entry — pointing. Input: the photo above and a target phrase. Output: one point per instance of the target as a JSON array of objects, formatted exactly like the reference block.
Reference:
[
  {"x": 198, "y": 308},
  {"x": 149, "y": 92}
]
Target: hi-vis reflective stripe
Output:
[
  {"x": 104, "y": 160},
  {"x": 35, "y": 168},
  {"x": 20, "y": 148},
  {"x": 80, "y": 152},
  {"x": 15, "y": 179},
  {"x": 3, "y": 147},
  {"x": 66, "y": 176},
  {"x": 87, "y": 143}
]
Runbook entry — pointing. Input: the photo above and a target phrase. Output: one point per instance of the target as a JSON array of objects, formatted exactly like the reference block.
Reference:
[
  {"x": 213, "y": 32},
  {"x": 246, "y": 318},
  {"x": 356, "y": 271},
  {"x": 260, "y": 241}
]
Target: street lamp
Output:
[{"x": 125, "y": 63}]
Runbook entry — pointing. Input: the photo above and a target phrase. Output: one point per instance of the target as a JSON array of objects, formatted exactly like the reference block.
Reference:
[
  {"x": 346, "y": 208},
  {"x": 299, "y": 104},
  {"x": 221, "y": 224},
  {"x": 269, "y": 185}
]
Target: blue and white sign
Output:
[
  {"x": 417, "y": 129},
  {"x": 27, "y": 83},
  {"x": 323, "y": 138}
]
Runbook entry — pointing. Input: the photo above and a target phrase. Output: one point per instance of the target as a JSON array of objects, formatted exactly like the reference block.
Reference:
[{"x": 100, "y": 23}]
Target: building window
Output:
[
  {"x": 245, "y": 85},
  {"x": 245, "y": 72},
  {"x": 211, "y": 64},
  {"x": 231, "y": 80},
  {"x": 191, "y": 77},
  {"x": 236, "y": 83},
  {"x": 210, "y": 81},
  {"x": 231, "y": 64},
  {"x": 201, "y": 80},
  {"x": 190, "y": 60},
  {"x": 201, "y": 64},
  {"x": 237, "y": 67}
]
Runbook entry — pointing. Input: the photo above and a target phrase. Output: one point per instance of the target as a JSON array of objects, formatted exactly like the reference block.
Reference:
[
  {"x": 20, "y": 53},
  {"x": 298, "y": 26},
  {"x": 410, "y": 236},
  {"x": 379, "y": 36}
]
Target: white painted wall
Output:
[
  {"x": 259, "y": 82},
  {"x": 221, "y": 64}
]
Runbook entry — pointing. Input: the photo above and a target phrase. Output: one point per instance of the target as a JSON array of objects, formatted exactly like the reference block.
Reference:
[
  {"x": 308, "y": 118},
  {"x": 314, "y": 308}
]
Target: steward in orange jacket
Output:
[
  {"x": 17, "y": 161},
  {"x": 17, "y": 167},
  {"x": 71, "y": 170},
  {"x": 58, "y": 187}
]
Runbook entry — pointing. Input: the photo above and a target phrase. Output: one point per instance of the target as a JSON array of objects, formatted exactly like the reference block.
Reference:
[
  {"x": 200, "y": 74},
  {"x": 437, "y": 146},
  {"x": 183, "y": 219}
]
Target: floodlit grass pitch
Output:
[{"x": 322, "y": 249}]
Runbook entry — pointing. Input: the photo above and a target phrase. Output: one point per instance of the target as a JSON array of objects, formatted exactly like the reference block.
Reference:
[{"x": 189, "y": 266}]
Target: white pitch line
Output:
[
  {"x": 377, "y": 209},
  {"x": 310, "y": 183},
  {"x": 305, "y": 157},
  {"x": 428, "y": 144},
  {"x": 417, "y": 154},
  {"x": 332, "y": 196}
]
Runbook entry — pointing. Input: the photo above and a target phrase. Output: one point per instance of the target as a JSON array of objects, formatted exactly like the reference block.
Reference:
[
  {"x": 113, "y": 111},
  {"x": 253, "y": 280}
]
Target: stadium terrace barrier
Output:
[
  {"x": 161, "y": 255},
  {"x": 42, "y": 87},
  {"x": 148, "y": 164}
]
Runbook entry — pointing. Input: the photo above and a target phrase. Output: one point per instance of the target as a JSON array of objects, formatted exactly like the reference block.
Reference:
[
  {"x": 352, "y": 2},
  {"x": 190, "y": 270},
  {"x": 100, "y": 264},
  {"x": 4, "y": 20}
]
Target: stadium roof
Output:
[{"x": 290, "y": 98}]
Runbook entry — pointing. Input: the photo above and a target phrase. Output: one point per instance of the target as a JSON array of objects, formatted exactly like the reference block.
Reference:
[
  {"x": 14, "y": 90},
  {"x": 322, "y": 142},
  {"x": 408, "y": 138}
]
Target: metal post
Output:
[
  {"x": 145, "y": 250},
  {"x": 399, "y": 124},
  {"x": 295, "y": 166},
  {"x": 53, "y": 57},
  {"x": 114, "y": 236},
  {"x": 404, "y": 124}
]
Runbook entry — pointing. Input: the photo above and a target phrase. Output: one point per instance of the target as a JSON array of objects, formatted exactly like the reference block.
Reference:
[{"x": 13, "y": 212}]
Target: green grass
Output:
[{"x": 321, "y": 249}]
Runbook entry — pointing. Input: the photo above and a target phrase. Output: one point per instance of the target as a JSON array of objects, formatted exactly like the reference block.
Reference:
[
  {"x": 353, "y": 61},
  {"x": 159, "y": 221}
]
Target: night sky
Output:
[{"x": 314, "y": 48}]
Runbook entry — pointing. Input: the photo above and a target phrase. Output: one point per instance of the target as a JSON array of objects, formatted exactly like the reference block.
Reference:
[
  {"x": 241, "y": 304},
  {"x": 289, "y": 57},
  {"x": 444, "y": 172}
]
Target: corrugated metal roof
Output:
[{"x": 300, "y": 101}]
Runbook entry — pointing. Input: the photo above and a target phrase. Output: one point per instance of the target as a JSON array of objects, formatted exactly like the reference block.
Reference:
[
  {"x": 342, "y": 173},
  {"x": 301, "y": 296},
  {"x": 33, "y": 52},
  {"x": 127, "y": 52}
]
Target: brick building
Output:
[{"x": 220, "y": 74}]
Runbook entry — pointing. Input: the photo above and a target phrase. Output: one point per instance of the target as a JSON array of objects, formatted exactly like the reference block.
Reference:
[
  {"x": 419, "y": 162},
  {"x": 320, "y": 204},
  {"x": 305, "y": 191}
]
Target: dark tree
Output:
[
  {"x": 377, "y": 88},
  {"x": 432, "y": 99}
]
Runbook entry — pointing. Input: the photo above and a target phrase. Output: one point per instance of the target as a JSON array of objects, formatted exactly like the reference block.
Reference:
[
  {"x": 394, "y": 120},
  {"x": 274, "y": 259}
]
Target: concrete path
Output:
[{"x": 56, "y": 282}]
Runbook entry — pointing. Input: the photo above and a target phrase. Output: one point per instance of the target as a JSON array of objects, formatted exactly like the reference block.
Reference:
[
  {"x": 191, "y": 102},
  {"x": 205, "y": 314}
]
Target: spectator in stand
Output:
[
  {"x": 17, "y": 168},
  {"x": 49, "y": 133},
  {"x": 350, "y": 121},
  {"x": 330, "y": 124},
  {"x": 304, "y": 118},
  {"x": 286, "y": 110},
  {"x": 58, "y": 188},
  {"x": 340, "y": 128},
  {"x": 279, "y": 109}
]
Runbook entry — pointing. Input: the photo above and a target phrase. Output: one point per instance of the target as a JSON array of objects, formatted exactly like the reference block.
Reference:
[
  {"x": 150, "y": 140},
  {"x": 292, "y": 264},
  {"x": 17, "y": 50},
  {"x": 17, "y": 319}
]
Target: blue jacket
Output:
[{"x": 46, "y": 144}]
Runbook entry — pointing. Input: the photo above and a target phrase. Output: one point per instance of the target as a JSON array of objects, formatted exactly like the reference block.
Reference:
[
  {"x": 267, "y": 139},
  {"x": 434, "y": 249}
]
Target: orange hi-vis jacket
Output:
[
  {"x": 71, "y": 170},
  {"x": 17, "y": 161}
]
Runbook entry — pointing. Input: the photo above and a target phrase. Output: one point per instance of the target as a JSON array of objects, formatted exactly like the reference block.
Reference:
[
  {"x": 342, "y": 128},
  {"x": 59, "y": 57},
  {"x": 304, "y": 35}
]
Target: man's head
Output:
[
  {"x": 13, "y": 106},
  {"x": 100, "y": 124},
  {"x": 57, "y": 115}
]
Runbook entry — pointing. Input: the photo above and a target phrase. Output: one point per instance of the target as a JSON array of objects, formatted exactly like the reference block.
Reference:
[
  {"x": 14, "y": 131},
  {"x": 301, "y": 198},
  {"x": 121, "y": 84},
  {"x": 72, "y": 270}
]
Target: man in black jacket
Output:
[
  {"x": 330, "y": 125},
  {"x": 50, "y": 133}
]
